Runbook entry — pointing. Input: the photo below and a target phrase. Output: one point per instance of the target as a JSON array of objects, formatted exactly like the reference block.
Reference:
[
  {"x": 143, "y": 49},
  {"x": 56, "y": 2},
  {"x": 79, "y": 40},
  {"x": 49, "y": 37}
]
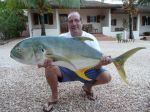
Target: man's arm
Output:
[
  {"x": 104, "y": 61},
  {"x": 46, "y": 64}
]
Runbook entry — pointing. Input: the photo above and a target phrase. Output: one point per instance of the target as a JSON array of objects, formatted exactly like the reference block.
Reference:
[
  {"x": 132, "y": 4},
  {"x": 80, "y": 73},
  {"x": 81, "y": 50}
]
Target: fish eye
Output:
[{"x": 42, "y": 50}]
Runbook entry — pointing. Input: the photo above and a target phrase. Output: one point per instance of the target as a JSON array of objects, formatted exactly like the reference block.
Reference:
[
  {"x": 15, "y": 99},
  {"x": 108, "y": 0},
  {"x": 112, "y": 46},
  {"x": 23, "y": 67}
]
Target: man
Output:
[{"x": 57, "y": 73}]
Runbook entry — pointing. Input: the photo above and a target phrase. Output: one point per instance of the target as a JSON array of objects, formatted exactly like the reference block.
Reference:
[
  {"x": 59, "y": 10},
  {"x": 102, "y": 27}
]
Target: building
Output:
[{"x": 106, "y": 18}]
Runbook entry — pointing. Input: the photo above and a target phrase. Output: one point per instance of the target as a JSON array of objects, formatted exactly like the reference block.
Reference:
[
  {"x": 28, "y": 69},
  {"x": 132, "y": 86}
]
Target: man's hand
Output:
[
  {"x": 46, "y": 64},
  {"x": 104, "y": 61}
]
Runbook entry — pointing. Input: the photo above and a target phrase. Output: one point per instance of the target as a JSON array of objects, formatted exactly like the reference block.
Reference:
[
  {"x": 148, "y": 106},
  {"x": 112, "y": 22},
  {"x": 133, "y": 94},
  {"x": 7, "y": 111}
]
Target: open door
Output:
[{"x": 63, "y": 23}]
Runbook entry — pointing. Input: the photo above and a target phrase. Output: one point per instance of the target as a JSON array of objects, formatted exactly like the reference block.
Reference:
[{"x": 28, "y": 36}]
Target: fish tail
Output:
[
  {"x": 120, "y": 60},
  {"x": 81, "y": 73}
]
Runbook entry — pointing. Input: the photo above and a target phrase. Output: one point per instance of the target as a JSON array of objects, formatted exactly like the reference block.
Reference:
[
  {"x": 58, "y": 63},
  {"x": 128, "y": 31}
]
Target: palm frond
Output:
[{"x": 144, "y": 2}]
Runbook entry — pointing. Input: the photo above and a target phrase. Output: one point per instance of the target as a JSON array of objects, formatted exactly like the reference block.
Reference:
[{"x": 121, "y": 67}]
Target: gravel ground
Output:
[{"x": 23, "y": 88}]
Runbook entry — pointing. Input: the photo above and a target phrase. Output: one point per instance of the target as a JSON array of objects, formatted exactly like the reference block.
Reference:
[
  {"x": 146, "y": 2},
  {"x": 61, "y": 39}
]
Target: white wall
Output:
[
  {"x": 49, "y": 32},
  {"x": 94, "y": 12},
  {"x": 119, "y": 18},
  {"x": 35, "y": 30},
  {"x": 135, "y": 33},
  {"x": 106, "y": 31}
]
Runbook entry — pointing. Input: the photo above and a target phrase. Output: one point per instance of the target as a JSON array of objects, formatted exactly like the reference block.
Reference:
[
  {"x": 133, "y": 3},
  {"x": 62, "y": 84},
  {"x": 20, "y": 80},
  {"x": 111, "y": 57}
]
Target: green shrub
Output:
[
  {"x": 119, "y": 36},
  {"x": 12, "y": 23}
]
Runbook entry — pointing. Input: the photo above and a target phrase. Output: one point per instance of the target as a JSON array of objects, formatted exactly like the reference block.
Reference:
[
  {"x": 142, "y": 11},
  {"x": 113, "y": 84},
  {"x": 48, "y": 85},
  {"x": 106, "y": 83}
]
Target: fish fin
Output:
[
  {"x": 60, "y": 58},
  {"x": 81, "y": 73},
  {"x": 120, "y": 60},
  {"x": 82, "y": 39}
]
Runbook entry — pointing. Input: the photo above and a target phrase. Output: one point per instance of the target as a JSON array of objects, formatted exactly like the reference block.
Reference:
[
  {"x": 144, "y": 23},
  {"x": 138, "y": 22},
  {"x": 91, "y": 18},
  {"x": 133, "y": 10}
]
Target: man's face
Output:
[{"x": 74, "y": 25}]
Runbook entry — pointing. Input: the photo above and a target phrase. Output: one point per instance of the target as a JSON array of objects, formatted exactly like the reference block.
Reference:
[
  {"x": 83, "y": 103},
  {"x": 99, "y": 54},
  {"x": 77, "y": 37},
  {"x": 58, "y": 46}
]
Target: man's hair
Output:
[{"x": 74, "y": 13}]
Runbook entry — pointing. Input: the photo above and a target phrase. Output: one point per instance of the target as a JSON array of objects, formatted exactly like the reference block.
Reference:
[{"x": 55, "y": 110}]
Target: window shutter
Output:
[{"x": 50, "y": 18}]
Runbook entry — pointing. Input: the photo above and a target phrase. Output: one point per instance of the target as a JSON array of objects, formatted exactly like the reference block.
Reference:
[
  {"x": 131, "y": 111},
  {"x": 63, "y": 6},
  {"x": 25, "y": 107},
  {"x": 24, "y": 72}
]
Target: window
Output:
[
  {"x": 145, "y": 20},
  {"x": 48, "y": 18},
  {"x": 98, "y": 19},
  {"x": 134, "y": 23},
  {"x": 148, "y": 20},
  {"x": 113, "y": 22},
  {"x": 45, "y": 18},
  {"x": 95, "y": 19},
  {"x": 91, "y": 19},
  {"x": 35, "y": 19}
]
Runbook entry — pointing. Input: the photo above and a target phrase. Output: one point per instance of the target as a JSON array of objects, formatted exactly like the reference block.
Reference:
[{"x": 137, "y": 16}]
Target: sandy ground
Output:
[{"x": 23, "y": 88}]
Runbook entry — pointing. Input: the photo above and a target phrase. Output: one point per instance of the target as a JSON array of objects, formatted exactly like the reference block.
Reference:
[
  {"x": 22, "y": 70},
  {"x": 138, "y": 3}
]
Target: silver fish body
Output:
[{"x": 35, "y": 50}]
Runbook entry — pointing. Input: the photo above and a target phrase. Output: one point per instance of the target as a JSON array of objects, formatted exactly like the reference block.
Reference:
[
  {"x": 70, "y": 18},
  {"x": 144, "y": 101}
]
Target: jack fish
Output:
[{"x": 33, "y": 51}]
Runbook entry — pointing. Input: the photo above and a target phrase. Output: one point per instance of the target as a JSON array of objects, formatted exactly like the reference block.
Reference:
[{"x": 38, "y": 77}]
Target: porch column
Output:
[
  {"x": 107, "y": 28},
  {"x": 138, "y": 24},
  {"x": 109, "y": 19},
  {"x": 57, "y": 21},
  {"x": 30, "y": 24}
]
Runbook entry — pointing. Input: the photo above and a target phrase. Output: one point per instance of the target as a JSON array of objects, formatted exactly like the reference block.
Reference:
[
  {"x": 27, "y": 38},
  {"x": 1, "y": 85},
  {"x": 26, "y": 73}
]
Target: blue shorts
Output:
[{"x": 69, "y": 75}]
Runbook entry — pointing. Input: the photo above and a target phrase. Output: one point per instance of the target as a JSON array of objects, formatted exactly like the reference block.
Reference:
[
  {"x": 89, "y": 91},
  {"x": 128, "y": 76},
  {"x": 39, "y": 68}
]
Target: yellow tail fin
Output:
[
  {"x": 81, "y": 73},
  {"x": 120, "y": 60}
]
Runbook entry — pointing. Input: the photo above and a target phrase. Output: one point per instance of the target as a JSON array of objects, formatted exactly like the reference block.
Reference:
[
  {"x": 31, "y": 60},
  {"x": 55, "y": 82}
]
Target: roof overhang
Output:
[
  {"x": 97, "y": 4},
  {"x": 92, "y": 5}
]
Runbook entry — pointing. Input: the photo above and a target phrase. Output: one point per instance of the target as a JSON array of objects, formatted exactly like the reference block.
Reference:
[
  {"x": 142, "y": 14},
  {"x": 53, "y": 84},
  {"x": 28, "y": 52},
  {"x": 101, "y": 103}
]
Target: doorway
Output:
[{"x": 63, "y": 23}]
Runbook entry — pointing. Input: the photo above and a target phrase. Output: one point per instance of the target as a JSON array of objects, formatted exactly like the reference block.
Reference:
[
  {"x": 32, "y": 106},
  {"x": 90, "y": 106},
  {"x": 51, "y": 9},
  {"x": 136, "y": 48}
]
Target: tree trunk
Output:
[
  {"x": 43, "y": 33},
  {"x": 130, "y": 27}
]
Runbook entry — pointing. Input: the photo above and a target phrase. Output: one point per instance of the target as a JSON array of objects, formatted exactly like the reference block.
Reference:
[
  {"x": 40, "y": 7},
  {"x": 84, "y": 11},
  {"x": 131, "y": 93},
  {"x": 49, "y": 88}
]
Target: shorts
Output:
[{"x": 69, "y": 75}]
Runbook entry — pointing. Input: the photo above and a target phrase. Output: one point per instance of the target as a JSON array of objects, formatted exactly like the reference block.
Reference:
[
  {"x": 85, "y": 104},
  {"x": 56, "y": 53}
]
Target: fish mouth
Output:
[{"x": 11, "y": 55}]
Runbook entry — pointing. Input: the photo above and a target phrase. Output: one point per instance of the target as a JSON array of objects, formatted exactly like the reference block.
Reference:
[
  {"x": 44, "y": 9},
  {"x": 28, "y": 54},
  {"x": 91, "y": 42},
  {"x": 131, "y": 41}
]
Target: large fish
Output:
[{"x": 35, "y": 50}]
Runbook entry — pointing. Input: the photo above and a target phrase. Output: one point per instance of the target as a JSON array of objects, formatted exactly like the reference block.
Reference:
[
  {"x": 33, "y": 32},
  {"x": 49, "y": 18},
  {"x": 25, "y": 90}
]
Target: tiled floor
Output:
[{"x": 102, "y": 37}]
